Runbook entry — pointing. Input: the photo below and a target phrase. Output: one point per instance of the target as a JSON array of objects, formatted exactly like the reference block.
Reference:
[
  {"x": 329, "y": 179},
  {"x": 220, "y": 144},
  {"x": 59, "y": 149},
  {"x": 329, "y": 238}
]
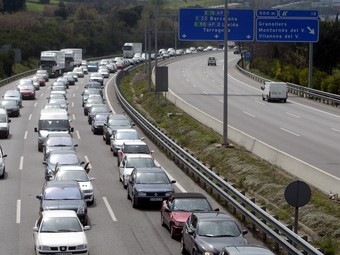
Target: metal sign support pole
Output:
[
  {"x": 310, "y": 72},
  {"x": 225, "y": 96}
]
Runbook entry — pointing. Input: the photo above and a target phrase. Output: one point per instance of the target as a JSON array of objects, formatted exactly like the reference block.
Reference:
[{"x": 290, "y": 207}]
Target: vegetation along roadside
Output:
[{"x": 320, "y": 219}]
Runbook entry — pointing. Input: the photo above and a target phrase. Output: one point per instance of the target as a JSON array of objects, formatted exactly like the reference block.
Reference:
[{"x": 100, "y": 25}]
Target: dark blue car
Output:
[{"x": 149, "y": 185}]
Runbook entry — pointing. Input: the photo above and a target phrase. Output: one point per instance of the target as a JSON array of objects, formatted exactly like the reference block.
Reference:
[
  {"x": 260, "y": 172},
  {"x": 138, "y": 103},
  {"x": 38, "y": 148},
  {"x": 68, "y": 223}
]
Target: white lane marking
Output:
[
  {"x": 179, "y": 186},
  {"x": 74, "y": 95},
  {"x": 42, "y": 94},
  {"x": 78, "y": 135},
  {"x": 30, "y": 117},
  {"x": 25, "y": 136},
  {"x": 72, "y": 104},
  {"x": 259, "y": 102},
  {"x": 221, "y": 101},
  {"x": 204, "y": 92},
  {"x": 194, "y": 85},
  {"x": 290, "y": 132},
  {"x": 21, "y": 164},
  {"x": 77, "y": 87},
  {"x": 17, "y": 220},
  {"x": 336, "y": 130},
  {"x": 74, "y": 116},
  {"x": 108, "y": 101},
  {"x": 251, "y": 115},
  {"x": 35, "y": 104},
  {"x": 293, "y": 115},
  {"x": 87, "y": 160},
  {"x": 108, "y": 207}
]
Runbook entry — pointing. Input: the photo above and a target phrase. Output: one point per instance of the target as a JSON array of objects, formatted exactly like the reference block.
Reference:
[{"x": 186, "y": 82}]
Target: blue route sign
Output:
[
  {"x": 199, "y": 24},
  {"x": 287, "y": 26}
]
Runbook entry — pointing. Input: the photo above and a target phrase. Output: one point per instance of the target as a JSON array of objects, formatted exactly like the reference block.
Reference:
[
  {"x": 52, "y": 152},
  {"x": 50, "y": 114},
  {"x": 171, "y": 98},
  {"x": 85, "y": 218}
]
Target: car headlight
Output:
[
  {"x": 44, "y": 248},
  {"x": 81, "y": 247},
  {"x": 142, "y": 194},
  {"x": 207, "y": 253},
  {"x": 179, "y": 224}
]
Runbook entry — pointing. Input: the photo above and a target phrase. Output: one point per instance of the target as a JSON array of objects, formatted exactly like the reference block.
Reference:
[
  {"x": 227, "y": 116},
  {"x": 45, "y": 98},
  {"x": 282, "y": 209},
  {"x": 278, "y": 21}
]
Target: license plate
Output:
[{"x": 156, "y": 199}]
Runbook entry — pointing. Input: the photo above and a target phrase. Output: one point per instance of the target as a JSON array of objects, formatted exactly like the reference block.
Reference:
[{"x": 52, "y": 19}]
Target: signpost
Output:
[{"x": 198, "y": 24}]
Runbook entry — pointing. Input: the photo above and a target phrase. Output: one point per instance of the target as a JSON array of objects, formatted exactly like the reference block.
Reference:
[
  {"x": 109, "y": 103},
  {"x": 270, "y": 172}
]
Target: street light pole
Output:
[{"x": 225, "y": 96}]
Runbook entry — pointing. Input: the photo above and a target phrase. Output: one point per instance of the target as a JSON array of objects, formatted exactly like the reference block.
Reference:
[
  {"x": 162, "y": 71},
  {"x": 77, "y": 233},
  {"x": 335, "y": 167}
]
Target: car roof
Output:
[
  {"x": 71, "y": 168},
  {"x": 67, "y": 151},
  {"x": 214, "y": 215},
  {"x": 126, "y": 130},
  {"x": 248, "y": 249},
  {"x": 62, "y": 183},
  {"x": 59, "y": 213},
  {"x": 138, "y": 155},
  {"x": 187, "y": 195},
  {"x": 59, "y": 134},
  {"x": 134, "y": 142}
]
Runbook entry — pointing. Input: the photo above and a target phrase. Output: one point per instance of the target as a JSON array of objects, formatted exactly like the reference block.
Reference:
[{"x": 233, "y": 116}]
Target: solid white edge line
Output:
[
  {"x": 290, "y": 132},
  {"x": 18, "y": 211},
  {"x": 21, "y": 164},
  {"x": 108, "y": 101},
  {"x": 108, "y": 207}
]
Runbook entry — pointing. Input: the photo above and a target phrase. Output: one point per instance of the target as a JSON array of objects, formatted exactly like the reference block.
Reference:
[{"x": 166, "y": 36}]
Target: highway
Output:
[
  {"x": 302, "y": 128},
  {"x": 116, "y": 228}
]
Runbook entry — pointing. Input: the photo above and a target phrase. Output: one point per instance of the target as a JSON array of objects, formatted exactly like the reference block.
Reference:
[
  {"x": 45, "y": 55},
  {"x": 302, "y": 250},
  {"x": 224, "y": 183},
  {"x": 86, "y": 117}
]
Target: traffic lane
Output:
[
  {"x": 11, "y": 187},
  {"x": 184, "y": 182}
]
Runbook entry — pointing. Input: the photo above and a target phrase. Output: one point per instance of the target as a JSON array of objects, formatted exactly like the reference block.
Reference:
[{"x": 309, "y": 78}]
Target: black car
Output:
[
  {"x": 149, "y": 184},
  {"x": 58, "y": 158},
  {"x": 98, "y": 122},
  {"x": 57, "y": 141},
  {"x": 63, "y": 195},
  {"x": 97, "y": 108},
  {"x": 114, "y": 122},
  {"x": 210, "y": 232}
]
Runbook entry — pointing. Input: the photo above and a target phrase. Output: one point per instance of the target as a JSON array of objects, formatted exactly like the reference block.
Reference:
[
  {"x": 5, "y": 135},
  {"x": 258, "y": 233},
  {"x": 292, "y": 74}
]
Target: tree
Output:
[
  {"x": 61, "y": 11},
  {"x": 11, "y": 6}
]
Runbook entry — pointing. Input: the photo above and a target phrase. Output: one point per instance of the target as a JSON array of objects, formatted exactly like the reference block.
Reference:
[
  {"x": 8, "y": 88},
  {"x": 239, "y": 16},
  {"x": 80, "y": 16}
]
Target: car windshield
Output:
[
  {"x": 62, "y": 192},
  {"x": 64, "y": 159},
  {"x": 60, "y": 224},
  {"x": 70, "y": 175},
  {"x": 59, "y": 141},
  {"x": 9, "y": 103},
  {"x": 54, "y": 125},
  {"x": 152, "y": 178},
  {"x": 136, "y": 149},
  {"x": 100, "y": 117},
  {"x": 99, "y": 109},
  {"x": 119, "y": 122},
  {"x": 3, "y": 118},
  {"x": 140, "y": 162},
  {"x": 218, "y": 228},
  {"x": 191, "y": 204}
]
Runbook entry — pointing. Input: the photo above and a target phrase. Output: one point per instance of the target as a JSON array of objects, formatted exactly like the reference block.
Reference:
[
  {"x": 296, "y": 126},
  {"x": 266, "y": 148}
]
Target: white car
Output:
[
  {"x": 79, "y": 174},
  {"x": 60, "y": 232},
  {"x": 130, "y": 161},
  {"x": 120, "y": 136}
]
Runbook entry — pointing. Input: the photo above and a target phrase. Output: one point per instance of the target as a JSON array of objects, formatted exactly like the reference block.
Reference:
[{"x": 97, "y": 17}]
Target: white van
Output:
[
  {"x": 275, "y": 91},
  {"x": 51, "y": 121},
  {"x": 4, "y": 123}
]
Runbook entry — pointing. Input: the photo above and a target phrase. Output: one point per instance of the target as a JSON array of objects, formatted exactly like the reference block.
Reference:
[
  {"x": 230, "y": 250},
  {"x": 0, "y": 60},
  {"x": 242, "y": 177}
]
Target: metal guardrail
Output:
[
  {"x": 282, "y": 236},
  {"x": 318, "y": 95}
]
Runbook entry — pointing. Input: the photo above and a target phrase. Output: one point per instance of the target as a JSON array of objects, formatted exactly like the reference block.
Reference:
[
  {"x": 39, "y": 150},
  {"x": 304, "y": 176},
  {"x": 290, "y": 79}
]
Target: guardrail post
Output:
[{"x": 243, "y": 217}]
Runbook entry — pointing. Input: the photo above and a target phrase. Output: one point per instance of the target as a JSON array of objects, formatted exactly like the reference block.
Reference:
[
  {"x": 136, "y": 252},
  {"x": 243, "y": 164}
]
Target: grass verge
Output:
[{"x": 319, "y": 219}]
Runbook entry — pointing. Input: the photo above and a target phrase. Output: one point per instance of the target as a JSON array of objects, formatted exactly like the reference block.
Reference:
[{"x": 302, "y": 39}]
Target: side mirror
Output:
[
  {"x": 262, "y": 88},
  {"x": 190, "y": 232},
  {"x": 9, "y": 120},
  {"x": 35, "y": 129},
  {"x": 39, "y": 196},
  {"x": 35, "y": 229},
  {"x": 71, "y": 129},
  {"x": 173, "y": 181},
  {"x": 217, "y": 209},
  {"x": 86, "y": 228},
  {"x": 244, "y": 232}
]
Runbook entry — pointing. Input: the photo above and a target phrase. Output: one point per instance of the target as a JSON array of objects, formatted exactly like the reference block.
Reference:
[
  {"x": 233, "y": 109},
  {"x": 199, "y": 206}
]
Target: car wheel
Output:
[
  {"x": 3, "y": 174},
  {"x": 107, "y": 140},
  {"x": 183, "y": 250},
  {"x": 134, "y": 202},
  {"x": 40, "y": 148},
  {"x": 172, "y": 231},
  {"x": 91, "y": 202},
  {"x": 162, "y": 220},
  {"x": 128, "y": 195}
]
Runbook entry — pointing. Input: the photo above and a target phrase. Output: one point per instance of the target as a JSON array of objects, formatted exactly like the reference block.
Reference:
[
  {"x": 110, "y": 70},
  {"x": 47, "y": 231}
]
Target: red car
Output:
[
  {"x": 27, "y": 91},
  {"x": 178, "y": 207}
]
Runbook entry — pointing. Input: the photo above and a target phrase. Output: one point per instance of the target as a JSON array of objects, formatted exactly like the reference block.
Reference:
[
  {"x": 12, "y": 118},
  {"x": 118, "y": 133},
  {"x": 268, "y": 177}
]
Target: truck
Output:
[
  {"x": 77, "y": 55},
  {"x": 69, "y": 59},
  {"x": 53, "y": 62},
  {"x": 274, "y": 91},
  {"x": 129, "y": 49}
]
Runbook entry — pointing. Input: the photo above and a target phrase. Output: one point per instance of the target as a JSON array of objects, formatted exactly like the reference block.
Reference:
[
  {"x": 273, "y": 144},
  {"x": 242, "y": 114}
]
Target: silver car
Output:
[{"x": 2, "y": 163}]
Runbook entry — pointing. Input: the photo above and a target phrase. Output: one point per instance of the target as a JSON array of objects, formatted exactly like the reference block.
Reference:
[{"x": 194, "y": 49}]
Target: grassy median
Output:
[{"x": 319, "y": 220}]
